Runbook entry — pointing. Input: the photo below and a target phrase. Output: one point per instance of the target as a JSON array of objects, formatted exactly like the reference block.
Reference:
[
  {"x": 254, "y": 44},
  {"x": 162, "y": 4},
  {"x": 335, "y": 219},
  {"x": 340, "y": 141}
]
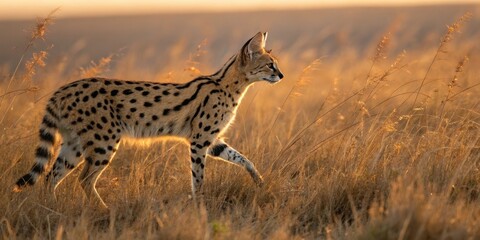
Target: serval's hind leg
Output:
[
  {"x": 69, "y": 158},
  {"x": 97, "y": 158}
]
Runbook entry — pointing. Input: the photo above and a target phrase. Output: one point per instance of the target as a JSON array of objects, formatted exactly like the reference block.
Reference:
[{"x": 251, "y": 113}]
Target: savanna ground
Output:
[{"x": 378, "y": 143}]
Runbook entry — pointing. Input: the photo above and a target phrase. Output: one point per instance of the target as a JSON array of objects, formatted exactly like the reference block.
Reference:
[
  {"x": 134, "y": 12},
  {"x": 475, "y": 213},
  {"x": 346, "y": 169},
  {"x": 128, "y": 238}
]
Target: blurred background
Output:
[{"x": 151, "y": 35}]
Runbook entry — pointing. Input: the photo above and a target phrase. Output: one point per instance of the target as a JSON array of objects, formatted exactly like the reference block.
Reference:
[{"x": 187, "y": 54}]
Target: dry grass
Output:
[{"x": 343, "y": 153}]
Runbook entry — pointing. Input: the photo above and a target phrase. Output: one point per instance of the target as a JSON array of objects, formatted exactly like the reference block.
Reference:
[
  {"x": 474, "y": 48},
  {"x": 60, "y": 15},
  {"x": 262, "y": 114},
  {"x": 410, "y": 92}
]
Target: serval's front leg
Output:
[
  {"x": 223, "y": 151},
  {"x": 198, "y": 152}
]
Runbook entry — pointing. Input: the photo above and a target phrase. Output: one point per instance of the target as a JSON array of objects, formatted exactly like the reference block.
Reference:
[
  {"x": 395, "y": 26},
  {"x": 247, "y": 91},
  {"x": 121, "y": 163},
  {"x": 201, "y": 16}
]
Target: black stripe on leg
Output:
[
  {"x": 26, "y": 179},
  {"x": 48, "y": 123},
  {"x": 51, "y": 112},
  {"x": 42, "y": 152},
  {"x": 218, "y": 149},
  {"x": 47, "y": 137},
  {"x": 38, "y": 168}
]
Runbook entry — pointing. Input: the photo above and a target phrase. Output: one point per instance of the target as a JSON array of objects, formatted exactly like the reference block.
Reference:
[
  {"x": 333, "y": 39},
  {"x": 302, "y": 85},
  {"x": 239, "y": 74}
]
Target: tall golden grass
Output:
[{"x": 378, "y": 148}]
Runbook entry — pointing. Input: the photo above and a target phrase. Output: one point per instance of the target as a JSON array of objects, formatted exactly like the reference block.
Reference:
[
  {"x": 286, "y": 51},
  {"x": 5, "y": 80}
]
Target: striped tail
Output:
[{"x": 44, "y": 151}]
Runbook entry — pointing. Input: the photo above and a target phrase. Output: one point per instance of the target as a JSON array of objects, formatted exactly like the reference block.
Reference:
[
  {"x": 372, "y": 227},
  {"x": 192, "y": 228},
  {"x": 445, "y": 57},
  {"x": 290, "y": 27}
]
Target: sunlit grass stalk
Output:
[
  {"x": 38, "y": 33},
  {"x": 447, "y": 37},
  {"x": 451, "y": 85}
]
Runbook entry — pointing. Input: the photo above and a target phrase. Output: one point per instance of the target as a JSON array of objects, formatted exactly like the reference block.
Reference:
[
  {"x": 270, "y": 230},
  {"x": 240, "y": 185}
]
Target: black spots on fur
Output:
[
  {"x": 156, "y": 87},
  {"x": 166, "y": 112},
  {"x": 78, "y": 93},
  {"x": 133, "y": 100},
  {"x": 157, "y": 98},
  {"x": 78, "y": 154},
  {"x": 119, "y": 106},
  {"x": 114, "y": 92},
  {"x": 97, "y": 136},
  {"x": 89, "y": 143},
  {"x": 218, "y": 149},
  {"x": 177, "y": 108},
  {"x": 89, "y": 160},
  {"x": 81, "y": 132},
  {"x": 105, "y": 138},
  {"x": 93, "y": 80},
  {"x": 200, "y": 125},
  {"x": 118, "y": 83},
  {"x": 145, "y": 93},
  {"x": 97, "y": 163},
  {"x": 94, "y": 94},
  {"x": 166, "y": 92},
  {"x": 68, "y": 165},
  {"x": 127, "y": 92},
  {"x": 100, "y": 150},
  {"x": 104, "y": 120},
  {"x": 147, "y": 104},
  {"x": 207, "y": 128},
  {"x": 108, "y": 82},
  {"x": 142, "y": 115},
  {"x": 85, "y": 85},
  {"x": 139, "y": 88},
  {"x": 93, "y": 110},
  {"x": 102, "y": 91},
  {"x": 206, "y": 143},
  {"x": 198, "y": 160},
  {"x": 154, "y": 117},
  {"x": 105, "y": 162},
  {"x": 202, "y": 114},
  {"x": 176, "y": 94},
  {"x": 133, "y": 110},
  {"x": 80, "y": 111},
  {"x": 46, "y": 137},
  {"x": 215, "y": 131}
]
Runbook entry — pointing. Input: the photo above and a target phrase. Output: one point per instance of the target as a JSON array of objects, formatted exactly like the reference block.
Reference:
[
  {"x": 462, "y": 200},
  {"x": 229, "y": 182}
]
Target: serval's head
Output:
[{"x": 257, "y": 63}]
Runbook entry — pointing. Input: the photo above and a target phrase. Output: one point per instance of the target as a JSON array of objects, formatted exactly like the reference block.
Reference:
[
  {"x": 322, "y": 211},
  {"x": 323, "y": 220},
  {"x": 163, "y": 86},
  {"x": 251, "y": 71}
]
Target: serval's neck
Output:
[{"x": 232, "y": 80}]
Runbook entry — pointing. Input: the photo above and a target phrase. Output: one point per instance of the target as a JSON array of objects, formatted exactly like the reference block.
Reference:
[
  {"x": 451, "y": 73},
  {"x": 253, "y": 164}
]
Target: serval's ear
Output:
[{"x": 254, "y": 46}]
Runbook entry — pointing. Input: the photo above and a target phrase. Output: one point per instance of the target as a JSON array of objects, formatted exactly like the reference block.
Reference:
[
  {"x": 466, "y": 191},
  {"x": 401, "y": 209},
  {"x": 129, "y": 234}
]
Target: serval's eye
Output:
[{"x": 270, "y": 65}]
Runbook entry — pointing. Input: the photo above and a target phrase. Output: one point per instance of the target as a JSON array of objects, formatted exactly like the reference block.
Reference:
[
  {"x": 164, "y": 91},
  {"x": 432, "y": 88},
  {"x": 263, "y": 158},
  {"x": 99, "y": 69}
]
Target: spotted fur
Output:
[{"x": 93, "y": 115}]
